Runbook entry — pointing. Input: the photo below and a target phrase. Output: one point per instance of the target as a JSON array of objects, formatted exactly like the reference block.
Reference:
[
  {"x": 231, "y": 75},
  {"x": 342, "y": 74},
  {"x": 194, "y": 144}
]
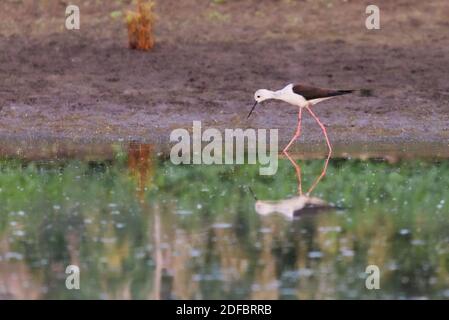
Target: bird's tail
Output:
[
  {"x": 342, "y": 92},
  {"x": 361, "y": 92}
]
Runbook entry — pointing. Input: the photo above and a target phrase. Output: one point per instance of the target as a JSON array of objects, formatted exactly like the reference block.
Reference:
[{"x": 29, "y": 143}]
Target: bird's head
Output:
[{"x": 260, "y": 96}]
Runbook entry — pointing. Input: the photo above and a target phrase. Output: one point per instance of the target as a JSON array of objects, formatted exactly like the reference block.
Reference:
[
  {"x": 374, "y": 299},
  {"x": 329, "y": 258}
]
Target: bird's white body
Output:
[
  {"x": 286, "y": 94},
  {"x": 288, "y": 207}
]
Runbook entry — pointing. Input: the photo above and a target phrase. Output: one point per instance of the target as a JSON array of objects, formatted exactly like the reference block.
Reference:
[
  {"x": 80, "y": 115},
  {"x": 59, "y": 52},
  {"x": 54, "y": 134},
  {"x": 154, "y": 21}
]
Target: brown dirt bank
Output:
[{"x": 210, "y": 58}]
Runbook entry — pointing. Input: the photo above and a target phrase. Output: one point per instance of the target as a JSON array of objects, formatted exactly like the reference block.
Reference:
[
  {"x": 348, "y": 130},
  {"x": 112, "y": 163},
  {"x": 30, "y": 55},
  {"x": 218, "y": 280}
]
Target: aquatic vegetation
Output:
[{"x": 137, "y": 224}]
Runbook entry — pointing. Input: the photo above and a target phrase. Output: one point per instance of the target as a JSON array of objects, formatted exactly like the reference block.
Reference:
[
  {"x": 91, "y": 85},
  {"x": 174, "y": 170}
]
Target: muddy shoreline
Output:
[
  {"x": 48, "y": 148},
  {"x": 88, "y": 86}
]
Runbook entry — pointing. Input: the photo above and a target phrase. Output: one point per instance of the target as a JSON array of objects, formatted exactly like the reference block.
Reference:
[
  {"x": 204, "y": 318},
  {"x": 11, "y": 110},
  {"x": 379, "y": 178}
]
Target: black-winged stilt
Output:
[{"x": 302, "y": 96}]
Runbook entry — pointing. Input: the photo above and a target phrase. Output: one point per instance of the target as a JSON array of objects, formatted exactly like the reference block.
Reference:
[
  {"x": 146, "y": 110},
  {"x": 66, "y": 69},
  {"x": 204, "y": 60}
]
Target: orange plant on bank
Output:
[{"x": 140, "y": 26}]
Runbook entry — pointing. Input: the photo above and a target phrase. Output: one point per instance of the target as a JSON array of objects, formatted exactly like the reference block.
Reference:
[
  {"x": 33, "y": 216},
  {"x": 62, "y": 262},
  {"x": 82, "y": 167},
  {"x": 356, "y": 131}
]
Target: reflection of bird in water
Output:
[
  {"x": 303, "y": 203},
  {"x": 292, "y": 206}
]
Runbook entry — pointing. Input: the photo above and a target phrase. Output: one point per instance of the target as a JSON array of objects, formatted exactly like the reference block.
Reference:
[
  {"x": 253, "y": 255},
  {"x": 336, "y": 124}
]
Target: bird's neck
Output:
[{"x": 278, "y": 95}]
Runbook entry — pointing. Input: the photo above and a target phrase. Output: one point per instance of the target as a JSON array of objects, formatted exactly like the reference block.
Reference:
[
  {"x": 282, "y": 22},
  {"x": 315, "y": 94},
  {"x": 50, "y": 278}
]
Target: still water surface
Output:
[{"x": 140, "y": 227}]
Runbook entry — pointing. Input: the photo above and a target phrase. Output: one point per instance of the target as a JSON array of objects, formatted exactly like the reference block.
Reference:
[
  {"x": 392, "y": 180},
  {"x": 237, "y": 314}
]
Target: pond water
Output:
[{"x": 140, "y": 227}]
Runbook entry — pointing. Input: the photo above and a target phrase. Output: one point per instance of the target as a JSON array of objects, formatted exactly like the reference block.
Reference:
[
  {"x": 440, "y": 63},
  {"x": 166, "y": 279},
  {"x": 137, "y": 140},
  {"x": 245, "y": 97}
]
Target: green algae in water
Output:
[{"x": 146, "y": 229}]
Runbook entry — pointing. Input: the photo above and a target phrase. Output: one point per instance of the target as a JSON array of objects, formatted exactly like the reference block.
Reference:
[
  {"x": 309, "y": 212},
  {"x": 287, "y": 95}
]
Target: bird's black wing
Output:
[{"x": 310, "y": 93}]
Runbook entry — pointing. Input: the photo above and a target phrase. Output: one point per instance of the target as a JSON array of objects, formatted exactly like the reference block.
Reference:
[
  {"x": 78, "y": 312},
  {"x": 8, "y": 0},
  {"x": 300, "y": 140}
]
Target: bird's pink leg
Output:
[
  {"x": 297, "y": 133},
  {"x": 298, "y": 172},
  {"x": 323, "y": 173}
]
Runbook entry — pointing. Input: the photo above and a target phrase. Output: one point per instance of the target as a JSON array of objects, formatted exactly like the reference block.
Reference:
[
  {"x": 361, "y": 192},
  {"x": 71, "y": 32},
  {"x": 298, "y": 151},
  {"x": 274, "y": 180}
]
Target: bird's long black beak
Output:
[{"x": 255, "y": 104}]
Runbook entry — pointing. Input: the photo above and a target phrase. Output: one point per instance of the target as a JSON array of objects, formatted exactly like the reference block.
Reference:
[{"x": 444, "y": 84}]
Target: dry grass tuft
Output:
[{"x": 141, "y": 26}]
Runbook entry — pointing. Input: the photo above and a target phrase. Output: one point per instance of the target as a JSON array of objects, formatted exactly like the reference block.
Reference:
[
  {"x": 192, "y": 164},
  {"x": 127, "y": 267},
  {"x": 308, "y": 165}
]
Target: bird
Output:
[
  {"x": 291, "y": 207},
  {"x": 302, "y": 96},
  {"x": 297, "y": 205}
]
